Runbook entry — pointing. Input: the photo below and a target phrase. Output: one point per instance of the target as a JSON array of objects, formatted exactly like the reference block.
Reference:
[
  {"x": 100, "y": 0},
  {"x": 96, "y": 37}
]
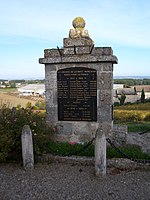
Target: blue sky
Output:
[{"x": 28, "y": 27}]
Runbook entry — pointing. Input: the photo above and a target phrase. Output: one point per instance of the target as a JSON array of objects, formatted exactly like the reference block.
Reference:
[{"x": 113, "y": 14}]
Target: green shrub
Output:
[
  {"x": 11, "y": 124},
  {"x": 6, "y": 142},
  {"x": 29, "y": 105},
  {"x": 142, "y": 96},
  {"x": 116, "y": 104},
  {"x": 40, "y": 105}
]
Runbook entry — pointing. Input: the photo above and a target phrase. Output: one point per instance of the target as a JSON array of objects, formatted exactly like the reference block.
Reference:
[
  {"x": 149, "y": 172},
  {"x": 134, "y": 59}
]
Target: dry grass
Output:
[
  {"x": 138, "y": 107},
  {"x": 131, "y": 116},
  {"x": 13, "y": 101},
  {"x": 132, "y": 113}
]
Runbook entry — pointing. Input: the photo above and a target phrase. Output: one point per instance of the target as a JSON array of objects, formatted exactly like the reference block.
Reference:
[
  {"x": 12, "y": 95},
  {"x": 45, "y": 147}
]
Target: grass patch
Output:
[
  {"x": 135, "y": 116},
  {"x": 137, "y": 127},
  {"x": 64, "y": 149},
  {"x": 135, "y": 107},
  {"x": 133, "y": 151},
  {"x": 6, "y": 90},
  {"x": 121, "y": 116},
  {"x": 132, "y": 113},
  {"x": 140, "y": 127}
]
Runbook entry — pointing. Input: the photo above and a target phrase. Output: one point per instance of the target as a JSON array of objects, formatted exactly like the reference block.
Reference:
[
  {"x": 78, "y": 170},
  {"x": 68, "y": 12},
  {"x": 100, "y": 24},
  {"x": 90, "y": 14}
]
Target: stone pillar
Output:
[
  {"x": 100, "y": 153},
  {"x": 27, "y": 148}
]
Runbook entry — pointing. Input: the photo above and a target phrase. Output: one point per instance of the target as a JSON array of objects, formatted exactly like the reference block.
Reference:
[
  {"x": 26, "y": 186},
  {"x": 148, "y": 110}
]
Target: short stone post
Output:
[
  {"x": 27, "y": 148},
  {"x": 100, "y": 153}
]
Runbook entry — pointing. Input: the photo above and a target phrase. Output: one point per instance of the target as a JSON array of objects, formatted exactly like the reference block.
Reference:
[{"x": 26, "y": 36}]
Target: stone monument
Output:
[{"x": 79, "y": 86}]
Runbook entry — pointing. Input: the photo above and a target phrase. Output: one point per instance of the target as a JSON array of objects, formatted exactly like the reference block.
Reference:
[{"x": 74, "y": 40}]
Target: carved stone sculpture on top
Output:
[{"x": 78, "y": 31}]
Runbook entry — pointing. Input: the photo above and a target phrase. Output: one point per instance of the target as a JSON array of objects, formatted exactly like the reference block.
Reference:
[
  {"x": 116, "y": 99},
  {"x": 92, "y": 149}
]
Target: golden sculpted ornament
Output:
[{"x": 78, "y": 31}]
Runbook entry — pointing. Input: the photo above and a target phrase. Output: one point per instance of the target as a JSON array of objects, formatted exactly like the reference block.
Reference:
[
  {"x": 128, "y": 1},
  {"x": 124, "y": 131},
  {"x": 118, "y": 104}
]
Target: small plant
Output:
[{"x": 29, "y": 105}]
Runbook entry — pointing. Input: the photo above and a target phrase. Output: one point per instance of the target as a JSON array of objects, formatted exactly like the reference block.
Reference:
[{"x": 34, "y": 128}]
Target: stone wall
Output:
[{"x": 119, "y": 136}]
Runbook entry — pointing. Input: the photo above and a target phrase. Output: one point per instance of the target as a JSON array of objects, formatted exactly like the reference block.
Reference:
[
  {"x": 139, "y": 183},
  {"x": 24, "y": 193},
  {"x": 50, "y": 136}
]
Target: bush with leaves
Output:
[
  {"x": 40, "y": 105},
  {"x": 11, "y": 124},
  {"x": 122, "y": 99}
]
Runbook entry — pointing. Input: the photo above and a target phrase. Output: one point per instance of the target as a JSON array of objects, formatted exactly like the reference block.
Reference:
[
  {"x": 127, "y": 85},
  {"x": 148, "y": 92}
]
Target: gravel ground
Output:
[{"x": 58, "y": 181}]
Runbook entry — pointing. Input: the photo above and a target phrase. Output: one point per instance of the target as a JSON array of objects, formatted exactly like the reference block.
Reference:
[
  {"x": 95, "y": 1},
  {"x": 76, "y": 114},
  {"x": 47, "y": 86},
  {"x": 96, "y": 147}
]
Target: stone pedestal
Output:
[{"x": 79, "y": 53}]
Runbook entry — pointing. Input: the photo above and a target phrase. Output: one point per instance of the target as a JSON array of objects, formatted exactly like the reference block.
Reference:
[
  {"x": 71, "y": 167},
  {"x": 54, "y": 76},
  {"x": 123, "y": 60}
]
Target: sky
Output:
[{"x": 28, "y": 27}]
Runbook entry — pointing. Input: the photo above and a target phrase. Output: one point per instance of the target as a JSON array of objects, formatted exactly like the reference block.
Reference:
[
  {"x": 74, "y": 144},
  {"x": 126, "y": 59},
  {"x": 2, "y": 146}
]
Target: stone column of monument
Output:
[{"x": 79, "y": 86}]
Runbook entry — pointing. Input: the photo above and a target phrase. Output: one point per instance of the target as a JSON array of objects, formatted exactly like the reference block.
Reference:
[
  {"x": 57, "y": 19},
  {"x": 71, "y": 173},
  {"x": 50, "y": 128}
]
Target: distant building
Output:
[
  {"x": 146, "y": 90},
  {"x": 131, "y": 94},
  {"x": 118, "y": 86},
  {"x": 18, "y": 85},
  {"x": 32, "y": 90},
  {"x": 2, "y": 86}
]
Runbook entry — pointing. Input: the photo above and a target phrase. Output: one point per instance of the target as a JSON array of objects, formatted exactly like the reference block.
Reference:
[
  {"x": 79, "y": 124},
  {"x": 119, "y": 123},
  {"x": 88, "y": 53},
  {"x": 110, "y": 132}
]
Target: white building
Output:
[
  {"x": 32, "y": 90},
  {"x": 118, "y": 86}
]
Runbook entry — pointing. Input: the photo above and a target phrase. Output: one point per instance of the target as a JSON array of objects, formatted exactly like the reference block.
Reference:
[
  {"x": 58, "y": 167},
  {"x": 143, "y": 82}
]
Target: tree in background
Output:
[
  {"x": 142, "y": 96},
  {"x": 13, "y": 85},
  {"x": 122, "y": 99}
]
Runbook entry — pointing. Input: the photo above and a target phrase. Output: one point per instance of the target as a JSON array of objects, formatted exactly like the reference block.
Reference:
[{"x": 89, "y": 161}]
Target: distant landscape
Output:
[
  {"x": 131, "y": 77},
  {"x": 115, "y": 77},
  {"x": 135, "y": 115},
  {"x": 9, "y": 94}
]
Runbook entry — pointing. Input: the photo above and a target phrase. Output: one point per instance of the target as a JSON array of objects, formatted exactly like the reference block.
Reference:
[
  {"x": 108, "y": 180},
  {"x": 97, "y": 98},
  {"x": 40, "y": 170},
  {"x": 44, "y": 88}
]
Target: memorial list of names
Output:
[{"x": 77, "y": 94}]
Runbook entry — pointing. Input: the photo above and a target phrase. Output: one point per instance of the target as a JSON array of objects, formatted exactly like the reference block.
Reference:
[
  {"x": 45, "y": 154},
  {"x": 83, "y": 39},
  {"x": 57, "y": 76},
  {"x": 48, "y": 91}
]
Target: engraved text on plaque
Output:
[{"x": 77, "y": 94}]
